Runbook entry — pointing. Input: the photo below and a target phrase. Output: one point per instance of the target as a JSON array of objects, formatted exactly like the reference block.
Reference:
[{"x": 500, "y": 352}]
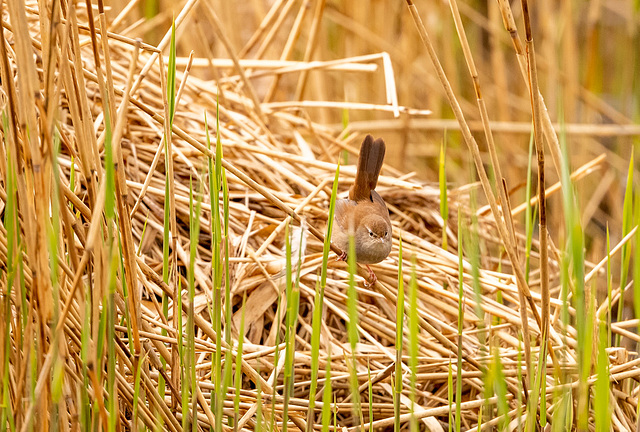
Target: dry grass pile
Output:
[{"x": 75, "y": 275}]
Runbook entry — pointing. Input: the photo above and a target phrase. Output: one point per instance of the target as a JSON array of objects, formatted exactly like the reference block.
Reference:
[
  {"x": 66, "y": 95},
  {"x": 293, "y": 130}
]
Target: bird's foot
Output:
[
  {"x": 342, "y": 257},
  {"x": 372, "y": 278}
]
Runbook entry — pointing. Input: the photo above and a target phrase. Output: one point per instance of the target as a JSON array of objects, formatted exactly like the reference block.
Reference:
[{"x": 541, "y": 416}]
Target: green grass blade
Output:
[
  {"x": 636, "y": 258},
  {"x": 195, "y": 213},
  {"x": 238, "y": 371},
  {"x": 12, "y": 226},
  {"x": 276, "y": 359},
  {"x": 460, "y": 322},
  {"x": 289, "y": 331},
  {"x": 228, "y": 371},
  {"x": 573, "y": 270},
  {"x": 601, "y": 398},
  {"x": 397, "y": 403},
  {"x": 352, "y": 329},
  {"x": 442, "y": 177},
  {"x": 318, "y": 303},
  {"x": 413, "y": 339},
  {"x": 327, "y": 394},
  {"x": 136, "y": 391},
  {"x": 627, "y": 220},
  {"x": 610, "y": 285}
]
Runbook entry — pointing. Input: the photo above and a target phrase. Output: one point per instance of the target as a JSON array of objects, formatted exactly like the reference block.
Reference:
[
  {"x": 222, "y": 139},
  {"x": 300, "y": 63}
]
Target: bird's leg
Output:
[
  {"x": 372, "y": 278},
  {"x": 342, "y": 257}
]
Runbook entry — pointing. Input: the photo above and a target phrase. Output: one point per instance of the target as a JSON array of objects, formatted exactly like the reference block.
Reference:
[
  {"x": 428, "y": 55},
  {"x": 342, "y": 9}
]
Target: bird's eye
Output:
[
  {"x": 370, "y": 233},
  {"x": 385, "y": 233}
]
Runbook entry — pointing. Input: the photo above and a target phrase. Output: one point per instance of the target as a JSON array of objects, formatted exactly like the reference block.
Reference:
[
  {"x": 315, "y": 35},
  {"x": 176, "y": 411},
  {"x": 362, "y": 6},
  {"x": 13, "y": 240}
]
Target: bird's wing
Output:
[{"x": 341, "y": 214}]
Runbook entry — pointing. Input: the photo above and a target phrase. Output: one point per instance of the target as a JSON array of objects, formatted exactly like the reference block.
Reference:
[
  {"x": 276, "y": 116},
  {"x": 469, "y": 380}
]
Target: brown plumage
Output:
[{"x": 364, "y": 214}]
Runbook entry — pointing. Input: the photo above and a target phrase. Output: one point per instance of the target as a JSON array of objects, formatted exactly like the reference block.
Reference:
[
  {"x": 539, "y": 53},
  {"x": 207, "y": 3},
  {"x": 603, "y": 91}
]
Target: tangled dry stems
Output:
[{"x": 293, "y": 159}]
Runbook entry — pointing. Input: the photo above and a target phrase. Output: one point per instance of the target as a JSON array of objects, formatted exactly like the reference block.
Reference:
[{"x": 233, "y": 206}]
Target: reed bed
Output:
[{"x": 164, "y": 263}]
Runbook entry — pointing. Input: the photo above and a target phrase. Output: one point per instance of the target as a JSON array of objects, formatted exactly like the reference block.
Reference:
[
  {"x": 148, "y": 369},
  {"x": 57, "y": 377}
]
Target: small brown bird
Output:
[{"x": 364, "y": 214}]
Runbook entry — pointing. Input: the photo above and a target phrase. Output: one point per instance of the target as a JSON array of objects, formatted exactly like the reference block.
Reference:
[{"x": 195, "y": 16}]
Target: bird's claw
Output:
[
  {"x": 370, "y": 281},
  {"x": 372, "y": 278}
]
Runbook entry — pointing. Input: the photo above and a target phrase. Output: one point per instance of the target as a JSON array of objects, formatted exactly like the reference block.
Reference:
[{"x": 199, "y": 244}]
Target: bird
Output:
[{"x": 364, "y": 214}]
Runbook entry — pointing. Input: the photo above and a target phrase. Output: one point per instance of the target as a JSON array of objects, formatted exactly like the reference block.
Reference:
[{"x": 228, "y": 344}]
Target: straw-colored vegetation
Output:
[{"x": 163, "y": 262}]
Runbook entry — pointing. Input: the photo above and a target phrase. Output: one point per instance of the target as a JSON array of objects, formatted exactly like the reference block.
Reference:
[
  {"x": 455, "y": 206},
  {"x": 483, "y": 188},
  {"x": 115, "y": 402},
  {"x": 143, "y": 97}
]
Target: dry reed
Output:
[{"x": 280, "y": 161}]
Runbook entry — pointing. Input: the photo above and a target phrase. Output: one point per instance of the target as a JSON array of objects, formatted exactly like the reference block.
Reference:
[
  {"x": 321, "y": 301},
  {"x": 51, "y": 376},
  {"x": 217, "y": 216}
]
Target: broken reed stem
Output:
[
  {"x": 160, "y": 148},
  {"x": 121, "y": 193},
  {"x": 33, "y": 191},
  {"x": 534, "y": 93},
  {"x": 295, "y": 174},
  {"x": 595, "y": 131},
  {"x": 579, "y": 173},
  {"x": 545, "y": 119},
  {"x": 448, "y": 344},
  {"x": 484, "y": 116},
  {"x": 240, "y": 175},
  {"x": 217, "y": 27},
  {"x": 310, "y": 48},
  {"x": 225, "y": 163},
  {"x": 264, "y": 24},
  {"x": 294, "y": 35},
  {"x": 523, "y": 287},
  {"x": 173, "y": 230},
  {"x": 495, "y": 163},
  {"x": 166, "y": 39}
]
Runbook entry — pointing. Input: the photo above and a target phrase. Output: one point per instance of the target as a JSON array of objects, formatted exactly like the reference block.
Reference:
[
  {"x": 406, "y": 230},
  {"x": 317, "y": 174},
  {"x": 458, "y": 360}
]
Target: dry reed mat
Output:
[{"x": 97, "y": 231}]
